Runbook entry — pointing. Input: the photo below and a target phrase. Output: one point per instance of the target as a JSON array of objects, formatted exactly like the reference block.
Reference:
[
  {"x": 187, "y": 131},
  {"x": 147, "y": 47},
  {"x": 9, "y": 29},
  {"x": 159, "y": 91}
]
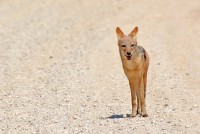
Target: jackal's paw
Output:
[
  {"x": 139, "y": 111},
  {"x": 133, "y": 114},
  {"x": 144, "y": 115}
]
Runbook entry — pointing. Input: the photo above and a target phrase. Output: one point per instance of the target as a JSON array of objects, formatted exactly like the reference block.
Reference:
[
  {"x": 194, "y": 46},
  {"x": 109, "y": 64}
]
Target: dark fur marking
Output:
[
  {"x": 145, "y": 57},
  {"x": 143, "y": 51}
]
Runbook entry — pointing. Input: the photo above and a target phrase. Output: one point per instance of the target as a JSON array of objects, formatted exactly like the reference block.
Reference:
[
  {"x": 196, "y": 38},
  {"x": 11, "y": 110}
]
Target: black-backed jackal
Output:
[{"x": 135, "y": 61}]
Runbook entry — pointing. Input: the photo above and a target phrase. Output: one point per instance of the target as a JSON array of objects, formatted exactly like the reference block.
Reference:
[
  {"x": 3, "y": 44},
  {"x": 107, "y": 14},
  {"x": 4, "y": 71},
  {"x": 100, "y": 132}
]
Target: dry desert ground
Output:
[{"x": 61, "y": 71}]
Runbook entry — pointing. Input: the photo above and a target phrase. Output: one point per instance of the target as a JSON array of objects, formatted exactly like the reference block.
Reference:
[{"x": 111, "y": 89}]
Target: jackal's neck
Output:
[{"x": 133, "y": 63}]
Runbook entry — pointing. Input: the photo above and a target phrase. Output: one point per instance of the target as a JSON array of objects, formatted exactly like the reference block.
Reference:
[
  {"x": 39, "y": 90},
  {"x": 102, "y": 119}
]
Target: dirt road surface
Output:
[{"x": 61, "y": 71}]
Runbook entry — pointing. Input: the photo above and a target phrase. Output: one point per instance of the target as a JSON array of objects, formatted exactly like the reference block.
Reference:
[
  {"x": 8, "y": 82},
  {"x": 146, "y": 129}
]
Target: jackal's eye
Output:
[
  {"x": 123, "y": 45},
  {"x": 132, "y": 45}
]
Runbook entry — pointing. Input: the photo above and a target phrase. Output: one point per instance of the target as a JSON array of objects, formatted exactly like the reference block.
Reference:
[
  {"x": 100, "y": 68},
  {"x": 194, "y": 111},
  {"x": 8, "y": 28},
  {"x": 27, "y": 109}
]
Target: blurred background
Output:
[{"x": 61, "y": 71}]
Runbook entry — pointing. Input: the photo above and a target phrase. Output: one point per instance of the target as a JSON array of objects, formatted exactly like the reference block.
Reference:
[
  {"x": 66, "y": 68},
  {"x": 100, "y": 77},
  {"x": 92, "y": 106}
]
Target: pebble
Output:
[
  {"x": 75, "y": 117},
  {"x": 173, "y": 109},
  {"x": 169, "y": 122},
  {"x": 166, "y": 105},
  {"x": 115, "y": 121},
  {"x": 153, "y": 122},
  {"x": 119, "y": 128},
  {"x": 94, "y": 105},
  {"x": 187, "y": 126},
  {"x": 187, "y": 74},
  {"x": 161, "y": 120},
  {"x": 194, "y": 105},
  {"x": 124, "y": 116}
]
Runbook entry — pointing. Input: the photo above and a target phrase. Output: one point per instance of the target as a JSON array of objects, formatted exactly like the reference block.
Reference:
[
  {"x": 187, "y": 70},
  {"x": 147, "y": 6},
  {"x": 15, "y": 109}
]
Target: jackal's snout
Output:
[{"x": 128, "y": 53}]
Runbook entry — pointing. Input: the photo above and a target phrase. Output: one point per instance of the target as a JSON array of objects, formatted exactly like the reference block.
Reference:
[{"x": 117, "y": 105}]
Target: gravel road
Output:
[{"x": 61, "y": 71}]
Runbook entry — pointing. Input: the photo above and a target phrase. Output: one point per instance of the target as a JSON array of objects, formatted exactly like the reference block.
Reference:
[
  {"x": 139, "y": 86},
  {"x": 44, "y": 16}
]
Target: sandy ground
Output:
[{"x": 61, "y": 71}]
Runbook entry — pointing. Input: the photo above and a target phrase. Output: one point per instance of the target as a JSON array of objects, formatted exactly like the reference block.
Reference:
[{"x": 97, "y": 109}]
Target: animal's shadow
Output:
[{"x": 118, "y": 116}]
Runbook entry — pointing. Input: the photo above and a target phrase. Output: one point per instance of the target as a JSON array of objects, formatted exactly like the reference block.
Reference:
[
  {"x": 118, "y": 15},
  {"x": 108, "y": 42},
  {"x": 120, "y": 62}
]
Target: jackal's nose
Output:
[{"x": 128, "y": 53}]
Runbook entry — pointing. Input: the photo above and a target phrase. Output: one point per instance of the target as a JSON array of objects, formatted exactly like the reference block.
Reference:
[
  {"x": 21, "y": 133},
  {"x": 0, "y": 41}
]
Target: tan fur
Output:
[{"x": 135, "y": 61}]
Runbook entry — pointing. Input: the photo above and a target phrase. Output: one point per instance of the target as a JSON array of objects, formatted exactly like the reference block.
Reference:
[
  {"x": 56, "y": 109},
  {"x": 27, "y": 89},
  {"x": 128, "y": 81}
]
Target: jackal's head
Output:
[{"x": 127, "y": 43}]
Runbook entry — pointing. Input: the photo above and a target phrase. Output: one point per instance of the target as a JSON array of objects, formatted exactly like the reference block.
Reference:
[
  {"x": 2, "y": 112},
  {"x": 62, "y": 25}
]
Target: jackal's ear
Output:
[
  {"x": 134, "y": 32},
  {"x": 119, "y": 32}
]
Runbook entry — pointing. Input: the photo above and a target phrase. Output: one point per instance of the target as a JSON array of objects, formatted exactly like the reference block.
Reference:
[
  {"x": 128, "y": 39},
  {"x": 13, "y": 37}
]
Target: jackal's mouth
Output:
[{"x": 128, "y": 57}]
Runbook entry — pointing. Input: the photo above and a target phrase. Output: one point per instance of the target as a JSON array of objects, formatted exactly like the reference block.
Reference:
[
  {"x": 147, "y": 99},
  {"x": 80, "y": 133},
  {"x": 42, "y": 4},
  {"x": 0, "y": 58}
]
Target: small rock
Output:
[
  {"x": 94, "y": 105},
  {"x": 119, "y": 128},
  {"x": 75, "y": 117},
  {"x": 180, "y": 120},
  {"x": 169, "y": 122},
  {"x": 123, "y": 116},
  {"x": 194, "y": 105},
  {"x": 115, "y": 121},
  {"x": 187, "y": 74},
  {"x": 166, "y": 105},
  {"x": 153, "y": 122},
  {"x": 161, "y": 120},
  {"x": 187, "y": 126}
]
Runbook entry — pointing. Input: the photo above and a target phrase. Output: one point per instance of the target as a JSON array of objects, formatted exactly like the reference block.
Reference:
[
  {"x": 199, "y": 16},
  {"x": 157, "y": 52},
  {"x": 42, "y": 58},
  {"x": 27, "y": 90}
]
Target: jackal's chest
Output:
[
  {"x": 132, "y": 69},
  {"x": 131, "y": 65}
]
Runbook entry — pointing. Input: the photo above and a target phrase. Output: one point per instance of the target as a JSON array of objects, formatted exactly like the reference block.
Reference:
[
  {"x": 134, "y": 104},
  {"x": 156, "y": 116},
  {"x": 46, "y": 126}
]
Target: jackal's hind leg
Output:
[
  {"x": 145, "y": 83},
  {"x": 142, "y": 99},
  {"x": 138, "y": 103}
]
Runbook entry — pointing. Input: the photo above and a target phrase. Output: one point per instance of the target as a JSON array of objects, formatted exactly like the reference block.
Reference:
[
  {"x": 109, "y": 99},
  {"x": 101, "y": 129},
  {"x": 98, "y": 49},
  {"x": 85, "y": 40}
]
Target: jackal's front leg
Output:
[
  {"x": 142, "y": 99},
  {"x": 133, "y": 87}
]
